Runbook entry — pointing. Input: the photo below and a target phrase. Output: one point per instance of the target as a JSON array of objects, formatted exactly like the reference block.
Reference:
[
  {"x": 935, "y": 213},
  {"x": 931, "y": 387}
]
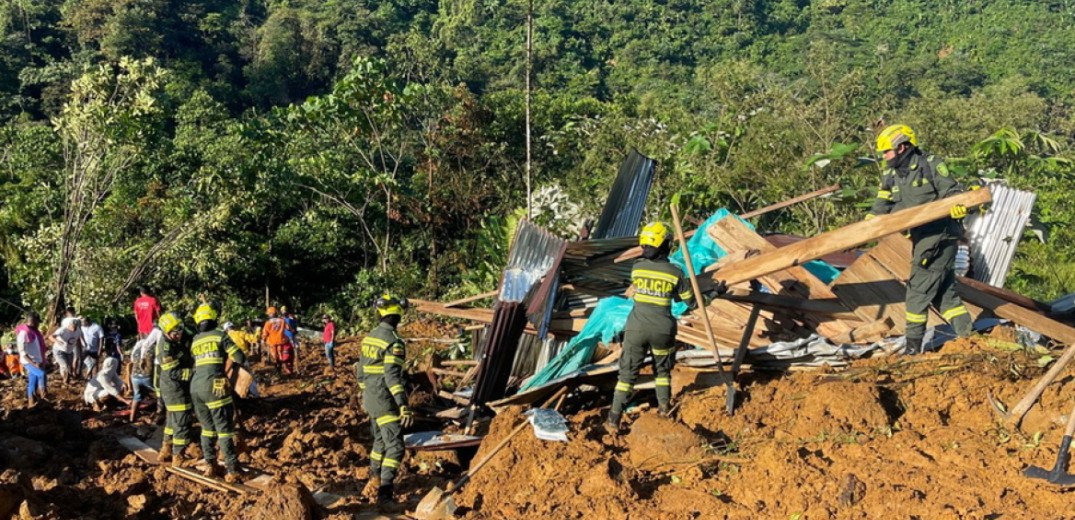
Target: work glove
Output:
[
  {"x": 958, "y": 211},
  {"x": 406, "y": 418},
  {"x": 220, "y": 387}
]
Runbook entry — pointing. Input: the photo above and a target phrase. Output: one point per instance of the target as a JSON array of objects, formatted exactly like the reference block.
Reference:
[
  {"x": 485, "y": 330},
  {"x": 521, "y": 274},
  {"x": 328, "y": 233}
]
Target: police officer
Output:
[
  {"x": 650, "y": 327},
  {"x": 211, "y": 392},
  {"x": 174, "y": 372},
  {"x": 384, "y": 395},
  {"x": 913, "y": 178}
]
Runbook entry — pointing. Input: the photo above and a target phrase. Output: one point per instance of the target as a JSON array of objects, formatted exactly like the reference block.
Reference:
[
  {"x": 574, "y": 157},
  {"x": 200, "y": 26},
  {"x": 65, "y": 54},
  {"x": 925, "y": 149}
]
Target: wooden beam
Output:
[
  {"x": 843, "y": 239},
  {"x": 1005, "y": 294},
  {"x": 471, "y": 299},
  {"x": 1019, "y": 314},
  {"x": 833, "y": 308},
  {"x": 791, "y": 201}
]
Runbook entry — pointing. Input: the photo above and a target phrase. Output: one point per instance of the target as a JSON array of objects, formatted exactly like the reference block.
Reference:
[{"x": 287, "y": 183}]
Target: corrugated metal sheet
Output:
[
  {"x": 626, "y": 202},
  {"x": 994, "y": 236},
  {"x": 498, "y": 352}
]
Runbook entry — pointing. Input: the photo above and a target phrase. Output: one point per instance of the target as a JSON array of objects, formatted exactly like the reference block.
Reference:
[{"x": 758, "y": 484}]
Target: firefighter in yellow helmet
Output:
[
  {"x": 383, "y": 382},
  {"x": 211, "y": 392},
  {"x": 651, "y": 328},
  {"x": 174, "y": 372},
  {"x": 911, "y": 178}
]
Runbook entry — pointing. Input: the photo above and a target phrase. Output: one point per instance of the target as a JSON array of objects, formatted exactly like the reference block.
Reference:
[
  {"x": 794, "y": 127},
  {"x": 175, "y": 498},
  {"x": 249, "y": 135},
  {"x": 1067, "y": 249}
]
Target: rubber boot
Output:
[
  {"x": 165, "y": 454},
  {"x": 213, "y": 469},
  {"x": 177, "y": 459},
  {"x": 232, "y": 476},
  {"x": 385, "y": 495},
  {"x": 914, "y": 347},
  {"x": 664, "y": 409},
  {"x": 612, "y": 424}
]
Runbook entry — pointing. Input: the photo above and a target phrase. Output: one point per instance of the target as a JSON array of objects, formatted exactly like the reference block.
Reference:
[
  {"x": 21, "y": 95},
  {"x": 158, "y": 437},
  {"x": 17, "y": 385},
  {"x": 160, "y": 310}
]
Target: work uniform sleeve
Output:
[
  {"x": 943, "y": 181},
  {"x": 394, "y": 377},
  {"x": 685, "y": 293},
  {"x": 232, "y": 350},
  {"x": 882, "y": 204}
]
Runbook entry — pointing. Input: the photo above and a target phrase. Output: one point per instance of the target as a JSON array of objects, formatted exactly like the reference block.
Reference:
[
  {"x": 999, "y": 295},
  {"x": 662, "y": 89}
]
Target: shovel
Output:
[
  {"x": 1058, "y": 474},
  {"x": 438, "y": 503},
  {"x": 728, "y": 378}
]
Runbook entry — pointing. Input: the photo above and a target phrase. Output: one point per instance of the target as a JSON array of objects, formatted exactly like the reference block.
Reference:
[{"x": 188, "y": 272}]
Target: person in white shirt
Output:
[
  {"x": 93, "y": 337},
  {"x": 143, "y": 366},
  {"x": 66, "y": 344},
  {"x": 107, "y": 385},
  {"x": 31, "y": 346}
]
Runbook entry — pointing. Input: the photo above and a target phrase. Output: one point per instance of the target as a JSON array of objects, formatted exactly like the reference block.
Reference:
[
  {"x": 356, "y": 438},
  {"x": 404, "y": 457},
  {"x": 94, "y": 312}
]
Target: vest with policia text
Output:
[
  {"x": 656, "y": 283},
  {"x": 380, "y": 371},
  {"x": 210, "y": 350}
]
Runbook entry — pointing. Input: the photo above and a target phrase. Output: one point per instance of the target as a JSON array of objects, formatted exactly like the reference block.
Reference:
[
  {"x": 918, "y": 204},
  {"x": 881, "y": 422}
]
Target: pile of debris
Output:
[{"x": 792, "y": 302}]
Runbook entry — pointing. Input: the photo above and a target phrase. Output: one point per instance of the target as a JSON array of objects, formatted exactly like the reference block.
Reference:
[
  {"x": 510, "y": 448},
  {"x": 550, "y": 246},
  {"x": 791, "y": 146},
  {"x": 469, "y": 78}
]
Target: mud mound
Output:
[
  {"x": 288, "y": 501},
  {"x": 535, "y": 478},
  {"x": 656, "y": 442}
]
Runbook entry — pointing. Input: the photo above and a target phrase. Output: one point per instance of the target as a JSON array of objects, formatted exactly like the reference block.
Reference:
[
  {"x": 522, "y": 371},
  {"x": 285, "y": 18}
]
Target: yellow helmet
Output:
[
  {"x": 169, "y": 321},
  {"x": 205, "y": 312},
  {"x": 387, "y": 305},
  {"x": 654, "y": 234},
  {"x": 892, "y": 136}
]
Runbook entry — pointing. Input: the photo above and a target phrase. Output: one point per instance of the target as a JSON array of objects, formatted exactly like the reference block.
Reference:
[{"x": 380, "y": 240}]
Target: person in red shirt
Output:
[
  {"x": 146, "y": 311},
  {"x": 329, "y": 338}
]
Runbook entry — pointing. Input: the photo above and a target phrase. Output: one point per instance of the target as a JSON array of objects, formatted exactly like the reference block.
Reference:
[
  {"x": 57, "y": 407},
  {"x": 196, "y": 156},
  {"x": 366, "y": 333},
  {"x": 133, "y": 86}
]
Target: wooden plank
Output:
[
  {"x": 1005, "y": 294},
  {"x": 140, "y": 449},
  {"x": 470, "y": 299},
  {"x": 792, "y": 201},
  {"x": 1019, "y": 314},
  {"x": 842, "y": 239}
]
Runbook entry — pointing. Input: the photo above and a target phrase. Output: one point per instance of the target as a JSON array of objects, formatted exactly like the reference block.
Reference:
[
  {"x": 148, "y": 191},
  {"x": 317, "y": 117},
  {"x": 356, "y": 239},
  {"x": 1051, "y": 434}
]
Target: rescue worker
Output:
[
  {"x": 384, "y": 395},
  {"x": 211, "y": 392},
  {"x": 650, "y": 327},
  {"x": 174, "y": 371},
  {"x": 274, "y": 333},
  {"x": 912, "y": 178}
]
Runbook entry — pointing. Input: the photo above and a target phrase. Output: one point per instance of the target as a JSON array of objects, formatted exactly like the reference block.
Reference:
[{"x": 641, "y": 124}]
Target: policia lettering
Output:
[
  {"x": 914, "y": 178},
  {"x": 380, "y": 375},
  {"x": 173, "y": 382},
  {"x": 650, "y": 327},
  {"x": 211, "y": 391}
]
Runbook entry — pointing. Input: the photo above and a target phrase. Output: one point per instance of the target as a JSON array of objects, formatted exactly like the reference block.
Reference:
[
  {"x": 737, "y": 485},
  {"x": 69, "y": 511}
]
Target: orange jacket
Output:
[{"x": 273, "y": 332}]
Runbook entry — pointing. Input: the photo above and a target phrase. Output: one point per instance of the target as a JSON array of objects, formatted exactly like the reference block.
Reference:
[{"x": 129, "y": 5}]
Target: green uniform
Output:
[
  {"x": 651, "y": 328},
  {"x": 173, "y": 381},
  {"x": 926, "y": 179},
  {"x": 211, "y": 393},
  {"x": 381, "y": 378}
]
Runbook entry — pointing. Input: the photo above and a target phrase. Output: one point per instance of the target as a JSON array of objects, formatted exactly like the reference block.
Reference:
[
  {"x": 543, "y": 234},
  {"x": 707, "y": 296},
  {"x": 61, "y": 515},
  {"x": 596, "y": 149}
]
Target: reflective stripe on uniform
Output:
[
  {"x": 370, "y": 340},
  {"x": 389, "y": 358},
  {"x": 686, "y": 295},
  {"x": 385, "y": 419},
  {"x": 642, "y": 298},
  {"x": 376, "y": 456},
  {"x": 181, "y": 407},
  {"x": 208, "y": 433},
  {"x": 953, "y": 312},
  {"x": 213, "y": 405},
  {"x": 646, "y": 273},
  {"x": 169, "y": 365},
  {"x": 168, "y": 431},
  {"x": 662, "y": 351},
  {"x": 226, "y": 435},
  {"x": 390, "y": 463},
  {"x": 884, "y": 195},
  {"x": 915, "y": 318},
  {"x": 373, "y": 369},
  {"x": 208, "y": 361},
  {"x": 232, "y": 349},
  {"x": 663, "y": 381},
  {"x": 176, "y": 441},
  {"x": 623, "y": 387},
  {"x": 396, "y": 389},
  {"x": 361, "y": 386}
]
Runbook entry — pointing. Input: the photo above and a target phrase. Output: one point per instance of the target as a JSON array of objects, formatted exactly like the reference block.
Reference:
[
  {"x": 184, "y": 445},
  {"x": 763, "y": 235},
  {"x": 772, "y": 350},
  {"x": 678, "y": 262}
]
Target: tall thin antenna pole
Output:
[{"x": 529, "y": 53}]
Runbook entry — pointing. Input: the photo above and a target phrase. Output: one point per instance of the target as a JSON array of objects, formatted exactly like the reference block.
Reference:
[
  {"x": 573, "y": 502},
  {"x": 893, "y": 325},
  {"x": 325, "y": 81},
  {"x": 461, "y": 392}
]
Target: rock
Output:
[
  {"x": 289, "y": 501},
  {"x": 852, "y": 490},
  {"x": 135, "y": 504}
]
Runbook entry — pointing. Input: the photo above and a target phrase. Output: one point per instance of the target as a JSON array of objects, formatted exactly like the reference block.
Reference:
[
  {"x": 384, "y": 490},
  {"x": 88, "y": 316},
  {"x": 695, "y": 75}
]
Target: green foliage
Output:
[{"x": 323, "y": 151}]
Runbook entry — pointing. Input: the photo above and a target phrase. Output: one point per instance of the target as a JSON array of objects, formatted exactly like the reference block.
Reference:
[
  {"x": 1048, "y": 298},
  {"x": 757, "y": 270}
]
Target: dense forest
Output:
[{"x": 317, "y": 151}]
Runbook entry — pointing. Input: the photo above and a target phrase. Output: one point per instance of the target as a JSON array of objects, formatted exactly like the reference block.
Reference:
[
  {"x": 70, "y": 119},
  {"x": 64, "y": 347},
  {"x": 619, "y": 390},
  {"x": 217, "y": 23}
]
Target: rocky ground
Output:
[{"x": 894, "y": 438}]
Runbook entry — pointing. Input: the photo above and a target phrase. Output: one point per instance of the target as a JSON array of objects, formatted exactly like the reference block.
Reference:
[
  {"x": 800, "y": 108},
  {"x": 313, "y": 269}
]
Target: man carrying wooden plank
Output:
[{"x": 913, "y": 178}]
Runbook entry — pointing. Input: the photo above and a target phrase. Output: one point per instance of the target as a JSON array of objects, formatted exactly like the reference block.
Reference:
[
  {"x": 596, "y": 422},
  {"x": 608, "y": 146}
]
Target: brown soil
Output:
[{"x": 891, "y": 438}]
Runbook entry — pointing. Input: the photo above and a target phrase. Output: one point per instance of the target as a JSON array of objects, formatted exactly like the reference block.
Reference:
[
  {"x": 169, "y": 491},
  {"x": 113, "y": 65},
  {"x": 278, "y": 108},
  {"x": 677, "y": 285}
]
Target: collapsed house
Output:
[{"x": 792, "y": 302}]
